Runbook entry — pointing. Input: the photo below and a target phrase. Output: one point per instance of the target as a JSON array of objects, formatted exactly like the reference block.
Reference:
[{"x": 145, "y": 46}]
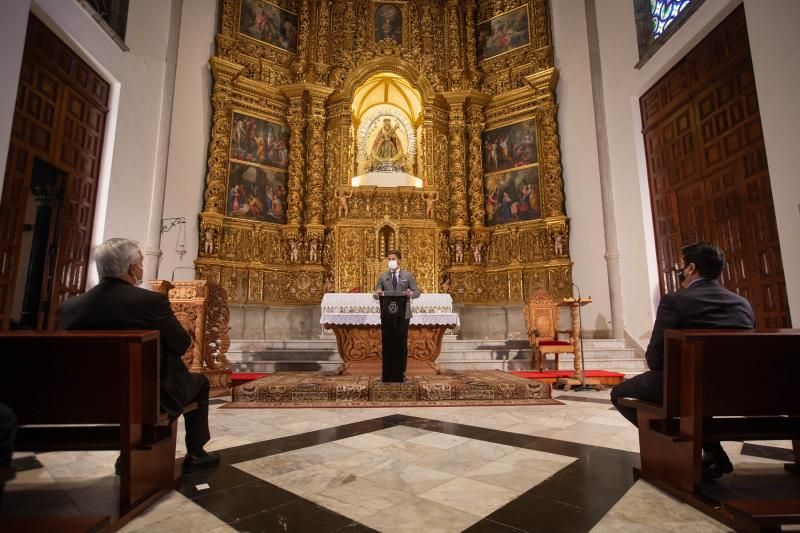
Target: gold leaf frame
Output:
[
  {"x": 237, "y": 26},
  {"x": 402, "y": 6},
  {"x": 504, "y": 13}
]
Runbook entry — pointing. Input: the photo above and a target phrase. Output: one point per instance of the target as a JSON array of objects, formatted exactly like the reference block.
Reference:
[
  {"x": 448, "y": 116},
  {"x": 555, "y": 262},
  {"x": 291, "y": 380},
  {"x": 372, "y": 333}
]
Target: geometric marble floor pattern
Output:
[
  {"x": 408, "y": 479},
  {"x": 476, "y": 469}
]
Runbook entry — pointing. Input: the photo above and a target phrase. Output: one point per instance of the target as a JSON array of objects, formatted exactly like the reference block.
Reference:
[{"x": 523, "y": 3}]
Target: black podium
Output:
[{"x": 394, "y": 336}]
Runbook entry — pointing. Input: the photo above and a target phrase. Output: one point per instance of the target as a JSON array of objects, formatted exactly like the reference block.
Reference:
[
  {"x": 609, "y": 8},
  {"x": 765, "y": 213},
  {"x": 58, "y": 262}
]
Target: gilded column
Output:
[
  {"x": 476, "y": 124},
  {"x": 316, "y": 155},
  {"x": 323, "y": 31},
  {"x": 543, "y": 84},
  {"x": 426, "y": 28},
  {"x": 454, "y": 45},
  {"x": 338, "y": 167},
  {"x": 458, "y": 186},
  {"x": 471, "y": 47},
  {"x": 299, "y": 66},
  {"x": 223, "y": 72},
  {"x": 297, "y": 121},
  {"x": 348, "y": 29}
]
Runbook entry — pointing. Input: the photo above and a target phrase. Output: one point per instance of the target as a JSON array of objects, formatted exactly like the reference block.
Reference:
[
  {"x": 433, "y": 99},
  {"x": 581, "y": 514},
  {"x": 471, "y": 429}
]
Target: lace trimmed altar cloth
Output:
[
  {"x": 355, "y": 320},
  {"x": 362, "y": 309}
]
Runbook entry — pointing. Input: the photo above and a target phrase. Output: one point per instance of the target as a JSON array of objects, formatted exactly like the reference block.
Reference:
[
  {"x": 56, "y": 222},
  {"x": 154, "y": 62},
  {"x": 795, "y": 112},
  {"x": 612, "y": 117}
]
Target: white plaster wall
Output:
[
  {"x": 12, "y": 42},
  {"x": 771, "y": 37},
  {"x": 191, "y": 126},
  {"x": 579, "y": 161},
  {"x": 623, "y": 86},
  {"x": 137, "y": 77},
  {"x": 774, "y": 40}
]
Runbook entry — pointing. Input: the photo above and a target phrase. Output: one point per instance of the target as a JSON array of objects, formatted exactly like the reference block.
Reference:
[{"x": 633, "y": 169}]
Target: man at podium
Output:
[{"x": 394, "y": 333}]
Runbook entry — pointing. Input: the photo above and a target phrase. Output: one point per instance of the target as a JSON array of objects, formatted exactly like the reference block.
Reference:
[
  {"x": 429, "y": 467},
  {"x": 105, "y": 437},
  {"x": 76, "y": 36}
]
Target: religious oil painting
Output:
[
  {"x": 513, "y": 196},
  {"x": 503, "y": 33},
  {"x": 269, "y": 24},
  {"x": 256, "y": 140},
  {"x": 508, "y": 147},
  {"x": 256, "y": 193},
  {"x": 388, "y": 23}
]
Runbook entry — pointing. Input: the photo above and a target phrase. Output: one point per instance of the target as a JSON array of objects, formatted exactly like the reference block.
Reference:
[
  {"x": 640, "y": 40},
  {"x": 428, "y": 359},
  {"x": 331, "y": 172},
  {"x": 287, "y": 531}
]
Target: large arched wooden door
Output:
[
  {"x": 59, "y": 119},
  {"x": 707, "y": 169}
]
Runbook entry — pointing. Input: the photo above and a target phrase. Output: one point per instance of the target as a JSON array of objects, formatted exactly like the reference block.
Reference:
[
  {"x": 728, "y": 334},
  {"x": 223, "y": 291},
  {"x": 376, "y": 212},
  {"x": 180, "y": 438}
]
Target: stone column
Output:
[{"x": 606, "y": 187}]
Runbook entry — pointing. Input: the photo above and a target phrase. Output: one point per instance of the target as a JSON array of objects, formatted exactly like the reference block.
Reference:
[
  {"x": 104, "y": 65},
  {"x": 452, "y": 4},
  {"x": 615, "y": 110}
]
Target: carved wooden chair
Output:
[{"x": 542, "y": 317}]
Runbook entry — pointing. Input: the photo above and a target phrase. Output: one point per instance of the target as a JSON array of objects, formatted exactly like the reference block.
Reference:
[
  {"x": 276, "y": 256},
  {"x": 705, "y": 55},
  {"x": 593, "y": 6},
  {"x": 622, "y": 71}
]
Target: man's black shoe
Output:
[
  {"x": 716, "y": 469},
  {"x": 118, "y": 466},
  {"x": 195, "y": 463}
]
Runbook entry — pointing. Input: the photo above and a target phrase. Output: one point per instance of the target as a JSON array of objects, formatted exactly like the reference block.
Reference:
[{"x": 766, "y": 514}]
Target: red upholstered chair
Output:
[{"x": 541, "y": 317}]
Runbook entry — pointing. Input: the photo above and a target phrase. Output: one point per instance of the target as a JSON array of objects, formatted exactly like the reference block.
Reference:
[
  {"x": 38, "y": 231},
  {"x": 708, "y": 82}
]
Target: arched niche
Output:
[{"x": 413, "y": 98}]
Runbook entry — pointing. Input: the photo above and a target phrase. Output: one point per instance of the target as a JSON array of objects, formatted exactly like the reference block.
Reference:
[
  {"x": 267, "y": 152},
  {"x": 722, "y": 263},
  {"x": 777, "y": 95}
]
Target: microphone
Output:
[{"x": 172, "y": 277}]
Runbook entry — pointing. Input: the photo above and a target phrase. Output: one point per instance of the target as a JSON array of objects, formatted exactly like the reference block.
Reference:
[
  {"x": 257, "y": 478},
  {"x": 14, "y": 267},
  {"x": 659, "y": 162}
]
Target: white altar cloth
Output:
[{"x": 362, "y": 309}]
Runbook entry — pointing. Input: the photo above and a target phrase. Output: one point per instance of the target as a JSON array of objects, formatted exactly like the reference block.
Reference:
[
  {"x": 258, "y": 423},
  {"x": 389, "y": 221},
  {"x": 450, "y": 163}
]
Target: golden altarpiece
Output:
[{"x": 343, "y": 128}]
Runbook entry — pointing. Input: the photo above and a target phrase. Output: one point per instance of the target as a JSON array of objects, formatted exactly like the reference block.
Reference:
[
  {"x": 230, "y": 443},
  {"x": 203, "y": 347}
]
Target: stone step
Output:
[
  {"x": 614, "y": 365},
  {"x": 504, "y": 354},
  {"x": 485, "y": 365},
  {"x": 626, "y": 353},
  {"x": 605, "y": 344}
]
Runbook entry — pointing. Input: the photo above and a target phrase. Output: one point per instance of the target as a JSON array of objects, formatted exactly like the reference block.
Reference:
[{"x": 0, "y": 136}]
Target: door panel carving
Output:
[
  {"x": 707, "y": 169},
  {"x": 60, "y": 118}
]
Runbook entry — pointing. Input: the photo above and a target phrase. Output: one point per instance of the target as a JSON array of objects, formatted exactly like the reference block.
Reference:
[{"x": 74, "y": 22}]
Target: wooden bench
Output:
[
  {"x": 722, "y": 385},
  {"x": 93, "y": 390}
]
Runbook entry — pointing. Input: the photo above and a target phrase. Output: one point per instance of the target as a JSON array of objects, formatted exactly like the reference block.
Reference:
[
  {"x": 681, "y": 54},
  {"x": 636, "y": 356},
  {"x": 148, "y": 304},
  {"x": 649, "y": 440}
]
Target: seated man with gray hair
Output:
[{"x": 116, "y": 303}]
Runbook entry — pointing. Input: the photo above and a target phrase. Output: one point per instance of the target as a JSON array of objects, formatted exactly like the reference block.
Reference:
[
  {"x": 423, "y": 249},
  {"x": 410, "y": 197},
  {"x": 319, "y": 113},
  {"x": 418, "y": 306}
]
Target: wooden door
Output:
[
  {"x": 707, "y": 169},
  {"x": 60, "y": 118}
]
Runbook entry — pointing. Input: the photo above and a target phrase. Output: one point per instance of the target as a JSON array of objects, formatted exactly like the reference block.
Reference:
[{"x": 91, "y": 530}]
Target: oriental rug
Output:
[{"x": 321, "y": 389}]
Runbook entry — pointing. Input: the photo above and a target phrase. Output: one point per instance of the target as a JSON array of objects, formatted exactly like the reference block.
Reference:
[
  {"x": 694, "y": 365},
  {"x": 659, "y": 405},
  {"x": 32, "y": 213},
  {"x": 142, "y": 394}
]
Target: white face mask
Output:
[{"x": 392, "y": 264}]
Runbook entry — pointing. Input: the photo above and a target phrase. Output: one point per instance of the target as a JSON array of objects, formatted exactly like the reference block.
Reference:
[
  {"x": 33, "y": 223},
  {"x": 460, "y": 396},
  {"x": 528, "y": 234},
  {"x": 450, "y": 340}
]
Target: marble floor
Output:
[{"x": 501, "y": 469}]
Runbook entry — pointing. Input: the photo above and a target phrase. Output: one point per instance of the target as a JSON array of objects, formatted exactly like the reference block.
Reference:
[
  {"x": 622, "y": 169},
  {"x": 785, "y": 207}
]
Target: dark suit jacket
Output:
[
  {"x": 405, "y": 280},
  {"x": 705, "y": 304},
  {"x": 114, "y": 304}
]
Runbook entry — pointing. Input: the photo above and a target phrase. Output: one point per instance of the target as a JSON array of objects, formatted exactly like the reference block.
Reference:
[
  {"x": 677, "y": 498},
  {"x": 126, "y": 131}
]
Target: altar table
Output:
[{"x": 356, "y": 321}]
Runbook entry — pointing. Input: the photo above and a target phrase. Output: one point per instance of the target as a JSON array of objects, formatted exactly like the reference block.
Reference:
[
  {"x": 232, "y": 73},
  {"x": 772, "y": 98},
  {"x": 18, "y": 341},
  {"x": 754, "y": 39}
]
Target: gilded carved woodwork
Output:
[
  {"x": 331, "y": 237},
  {"x": 458, "y": 188},
  {"x": 475, "y": 165},
  {"x": 297, "y": 122},
  {"x": 201, "y": 307}
]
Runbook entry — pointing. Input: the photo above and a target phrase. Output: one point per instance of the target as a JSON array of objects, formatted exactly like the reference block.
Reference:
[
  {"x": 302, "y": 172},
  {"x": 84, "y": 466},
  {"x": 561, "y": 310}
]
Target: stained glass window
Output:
[
  {"x": 664, "y": 12},
  {"x": 111, "y": 15},
  {"x": 657, "y": 20}
]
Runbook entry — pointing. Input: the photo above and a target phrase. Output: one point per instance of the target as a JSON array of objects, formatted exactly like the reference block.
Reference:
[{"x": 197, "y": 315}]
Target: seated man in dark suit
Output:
[
  {"x": 8, "y": 430},
  {"x": 702, "y": 304},
  {"x": 116, "y": 303}
]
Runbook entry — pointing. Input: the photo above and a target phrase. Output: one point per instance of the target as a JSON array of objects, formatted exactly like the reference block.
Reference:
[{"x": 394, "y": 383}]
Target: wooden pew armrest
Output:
[{"x": 639, "y": 405}]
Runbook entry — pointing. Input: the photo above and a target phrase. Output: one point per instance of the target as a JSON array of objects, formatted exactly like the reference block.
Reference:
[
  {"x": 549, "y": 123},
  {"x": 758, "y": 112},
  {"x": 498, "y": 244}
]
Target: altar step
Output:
[{"x": 321, "y": 354}]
